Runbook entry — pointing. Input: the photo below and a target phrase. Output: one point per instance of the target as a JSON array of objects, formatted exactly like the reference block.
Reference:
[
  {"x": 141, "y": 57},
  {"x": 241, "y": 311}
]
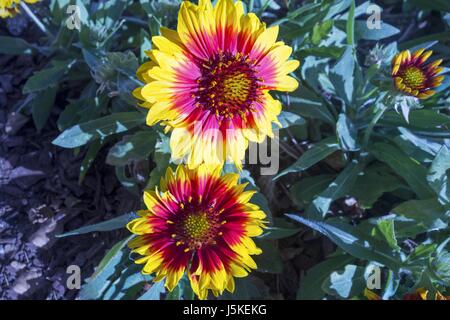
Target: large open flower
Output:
[
  {"x": 209, "y": 81},
  {"x": 199, "y": 222},
  {"x": 413, "y": 77},
  {"x": 9, "y": 8}
]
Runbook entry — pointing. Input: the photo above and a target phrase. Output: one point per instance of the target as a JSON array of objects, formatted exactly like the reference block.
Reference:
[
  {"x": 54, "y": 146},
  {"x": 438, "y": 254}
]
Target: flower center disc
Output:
[
  {"x": 196, "y": 226},
  {"x": 228, "y": 85},
  {"x": 413, "y": 77}
]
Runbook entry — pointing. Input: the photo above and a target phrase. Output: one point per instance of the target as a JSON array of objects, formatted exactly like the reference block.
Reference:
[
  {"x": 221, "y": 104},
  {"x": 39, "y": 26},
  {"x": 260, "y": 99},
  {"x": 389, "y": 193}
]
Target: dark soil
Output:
[{"x": 40, "y": 196}]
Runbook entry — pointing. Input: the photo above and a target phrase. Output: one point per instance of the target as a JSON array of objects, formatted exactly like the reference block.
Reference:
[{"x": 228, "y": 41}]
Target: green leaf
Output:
[
  {"x": 350, "y": 28},
  {"x": 371, "y": 185},
  {"x": 346, "y": 133},
  {"x": 135, "y": 147},
  {"x": 112, "y": 224},
  {"x": 406, "y": 167},
  {"x": 101, "y": 279},
  {"x": 81, "y": 134},
  {"x": 321, "y": 31},
  {"x": 346, "y": 284},
  {"x": 363, "y": 32},
  {"x": 162, "y": 162},
  {"x": 128, "y": 284},
  {"x": 429, "y": 214},
  {"x": 288, "y": 119},
  {"x": 423, "y": 119},
  {"x": 323, "y": 52},
  {"x": 41, "y": 106},
  {"x": 440, "y": 36},
  {"x": 317, "y": 153},
  {"x": 46, "y": 78},
  {"x": 309, "y": 105},
  {"x": 338, "y": 188},
  {"x": 311, "y": 285},
  {"x": 89, "y": 158},
  {"x": 15, "y": 46},
  {"x": 270, "y": 259},
  {"x": 154, "y": 293},
  {"x": 422, "y": 252},
  {"x": 342, "y": 75},
  {"x": 353, "y": 241},
  {"x": 386, "y": 228},
  {"x": 439, "y": 175},
  {"x": 302, "y": 192},
  {"x": 424, "y": 144},
  {"x": 275, "y": 233},
  {"x": 441, "y": 267},
  {"x": 125, "y": 62}
]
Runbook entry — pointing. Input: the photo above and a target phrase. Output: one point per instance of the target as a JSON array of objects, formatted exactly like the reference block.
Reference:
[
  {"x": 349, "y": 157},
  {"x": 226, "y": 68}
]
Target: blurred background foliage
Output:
[{"x": 343, "y": 142}]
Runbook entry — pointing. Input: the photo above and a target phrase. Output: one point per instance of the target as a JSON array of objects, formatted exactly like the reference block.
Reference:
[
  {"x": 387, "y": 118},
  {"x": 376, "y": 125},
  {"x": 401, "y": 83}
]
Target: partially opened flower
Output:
[
  {"x": 423, "y": 294},
  {"x": 9, "y": 8},
  {"x": 201, "y": 223},
  {"x": 418, "y": 294},
  {"x": 415, "y": 78},
  {"x": 209, "y": 81}
]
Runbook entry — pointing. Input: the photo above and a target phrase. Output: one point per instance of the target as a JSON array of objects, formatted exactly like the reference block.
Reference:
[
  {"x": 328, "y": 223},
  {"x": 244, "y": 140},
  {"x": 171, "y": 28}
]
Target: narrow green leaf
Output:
[
  {"x": 373, "y": 183},
  {"x": 112, "y": 224},
  {"x": 154, "y": 293},
  {"x": 406, "y": 167},
  {"x": 311, "y": 285},
  {"x": 317, "y": 153},
  {"x": 346, "y": 133},
  {"x": 89, "y": 158},
  {"x": 303, "y": 192},
  {"x": 81, "y": 134},
  {"x": 342, "y": 75},
  {"x": 42, "y": 105},
  {"x": 15, "y": 46},
  {"x": 275, "y": 233},
  {"x": 101, "y": 279},
  {"x": 439, "y": 175},
  {"x": 337, "y": 189},
  {"x": 429, "y": 214},
  {"x": 351, "y": 25},
  {"x": 43, "y": 79},
  {"x": 134, "y": 147},
  {"x": 288, "y": 119},
  {"x": 351, "y": 240}
]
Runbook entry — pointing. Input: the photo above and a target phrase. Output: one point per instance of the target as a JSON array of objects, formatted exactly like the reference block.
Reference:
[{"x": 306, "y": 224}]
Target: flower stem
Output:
[
  {"x": 372, "y": 124},
  {"x": 36, "y": 19}
]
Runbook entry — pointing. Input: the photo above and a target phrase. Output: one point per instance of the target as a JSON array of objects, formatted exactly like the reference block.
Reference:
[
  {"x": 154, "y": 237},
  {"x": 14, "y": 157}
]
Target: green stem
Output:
[
  {"x": 372, "y": 124},
  {"x": 36, "y": 20}
]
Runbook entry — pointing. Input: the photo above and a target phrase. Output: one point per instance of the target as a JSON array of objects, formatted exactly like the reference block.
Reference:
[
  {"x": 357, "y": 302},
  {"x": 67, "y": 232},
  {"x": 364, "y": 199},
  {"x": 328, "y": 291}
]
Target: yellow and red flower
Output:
[
  {"x": 199, "y": 222},
  {"x": 209, "y": 81},
  {"x": 415, "y": 78},
  {"x": 423, "y": 294},
  {"x": 9, "y": 8}
]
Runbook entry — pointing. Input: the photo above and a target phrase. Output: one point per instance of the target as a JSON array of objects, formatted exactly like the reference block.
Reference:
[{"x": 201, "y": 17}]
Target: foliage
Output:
[{"x": 390, "y": 154}]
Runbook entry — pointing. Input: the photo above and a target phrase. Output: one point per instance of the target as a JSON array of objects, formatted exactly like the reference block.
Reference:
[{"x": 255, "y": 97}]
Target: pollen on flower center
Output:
[
  {"x": 228, "y": 85},
  {"x": 197, "y": 228},
  {"x": 197, "y": 225},
  {"x": 413, "y": 77}
]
